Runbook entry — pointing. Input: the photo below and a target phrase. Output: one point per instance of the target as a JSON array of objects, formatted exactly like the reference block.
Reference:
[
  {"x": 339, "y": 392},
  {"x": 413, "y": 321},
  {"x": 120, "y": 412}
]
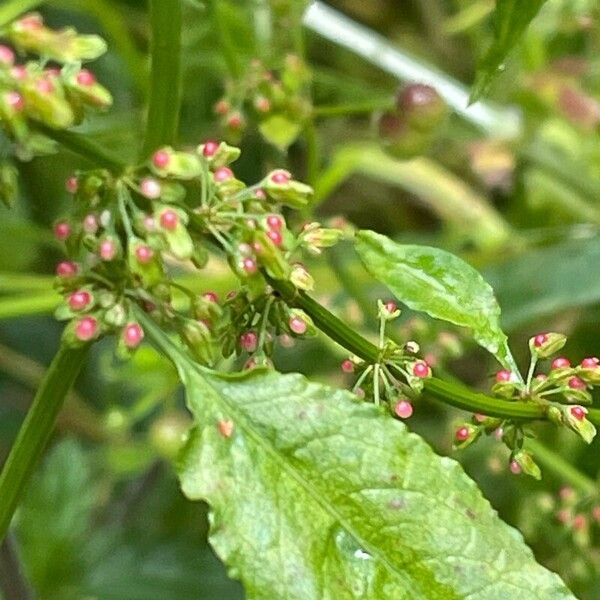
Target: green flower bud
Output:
[
  {"x": 270, "y": 256},
  {"x": 317, "y": 237},
  {"x": 8, "y": 184},
  {"x": 525, "y": 461},
  {"x": 400, "y": 138},
  {"x": 144, "y": 262},
  {"x": 280, "y": 187},
  {"x": 198, "y": 339},
  {"x": 181, "y": 165},
  {"x": 301, "y": 278},
  {"x": 465, "y": 435},
  {"x": 46, "y": 102},
  {"x": 545, "y": 345},
  {"x": 575, "y": 418},
  {"x": 218, "y": 154},
  {"x": 116, "y": 316},
  {"x": 422, "y": 106}
]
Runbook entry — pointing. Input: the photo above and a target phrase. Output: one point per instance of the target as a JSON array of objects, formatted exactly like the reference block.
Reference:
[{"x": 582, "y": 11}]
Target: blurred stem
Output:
[
  {"x": 20, "y": 306},
  {"x": 357, "y": 108},
  {"x": 77, "y": 415},
  {"x": 11, "y": 10},
  {"x": 226, "y": 43},
  {"x": 36, "y": 430},
  {"x": 313, "y": 159},
  {"x": 165, "y": 76},
  {"x": 13, "y": 584},
  {"x": 450, "y": 393},
  {"x": 566, "y": 472}
]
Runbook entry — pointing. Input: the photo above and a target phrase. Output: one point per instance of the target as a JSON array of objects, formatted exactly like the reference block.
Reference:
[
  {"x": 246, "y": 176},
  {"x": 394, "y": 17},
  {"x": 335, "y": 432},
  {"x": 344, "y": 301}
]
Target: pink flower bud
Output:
[
  {"x": 578, "y": 412},
  {"x": 211, "y": 297},
  {"x": 45, "y": 86},
  {"x": 133, "y": 334},
  {"x": 80, "y": 300},
  {"x": 403, "y": 409},
  {"x": 31, "y": 22},
  {"x": 274, "y": 222},
  {"x": 86, "y": 329},
  {"x": 275, "y": 237},
  {"x": 108, "y": 250},
  {"x": 566, "y": 493},
  {"x": 421, "y": 369},
  {"x": 150, "y": 188},
  {"x": 210, "y": 148},
  {"x": 62, "y": 231},
  {"x": 160, "y": 159},
  {"x": 169, "y": 220},
  {"x": 19, "y": 72},
  {"x": 540, "y": 339},
  {"x": 72, "y": 184},
  {"x": 67, "y": 269},
  {"x": 262, "y": 104},
  {"x": 90, "y": 224},
  {"x": 222, "y": 107},
  {"x": 249, "y": 265},
  {"x": 462, "y": 434},
  {"x": 391, "y": 307},
  {"x": 298, "y": 326},
  {"x": 15, "y": 101},
  {"x": 260, "y": 194},
  {"x": 590, "y": 363},
  {"x": 561, "y": 363},
  {"x": 235, "y": 121},
  {"x": 596, "y": 513},
  {"x": 249, "y": 341},
  {"x": 515, "y": 467},
  {"x": 347, "y": 366},
  {"x": 575, "y": 383},
  {"x": 7, "y": 56},
  {"x": 579, "y": 522},
  {"x": 281, "y": 177},
  {"x": 144, "y": 254},
  {"x": 223, "y": 174},
  {"x": 479, "y": 418},
  {"x": 86, "y": 78},
  {"x": 503, "y": 376}
]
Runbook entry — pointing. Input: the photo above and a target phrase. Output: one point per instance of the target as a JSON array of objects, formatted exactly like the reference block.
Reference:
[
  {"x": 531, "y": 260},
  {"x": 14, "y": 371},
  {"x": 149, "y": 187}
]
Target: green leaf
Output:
[
  {"x": 316, "y": 495},
  {"x": 510, "y": 22},
  {"x": 280, "y": 131},
  {"x": 438, "y": 283}
]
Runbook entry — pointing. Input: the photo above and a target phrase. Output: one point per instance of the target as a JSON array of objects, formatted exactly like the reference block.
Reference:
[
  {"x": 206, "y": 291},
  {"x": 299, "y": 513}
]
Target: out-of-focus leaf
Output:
[
  {"x": 511, "y": 19},
  {"x": 547, "y": 280},
  {"x": 280, "y": 131},
  {"x": 434, "y": 281},
  {"x": 316, "y": 495},
  {"x": 457, "y": 205}
]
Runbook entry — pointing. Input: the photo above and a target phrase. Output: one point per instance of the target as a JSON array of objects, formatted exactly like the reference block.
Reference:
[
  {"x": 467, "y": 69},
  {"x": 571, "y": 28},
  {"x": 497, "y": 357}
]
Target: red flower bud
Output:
[
  {"x": 561, "y": 363},
  {"x": 86, "y": 329},
  {"x": 133, "y": 334},
  {"x": 403, "y": 409},
  {"x": 80, "y": 300},
  {"x": 169, "y": 220}
]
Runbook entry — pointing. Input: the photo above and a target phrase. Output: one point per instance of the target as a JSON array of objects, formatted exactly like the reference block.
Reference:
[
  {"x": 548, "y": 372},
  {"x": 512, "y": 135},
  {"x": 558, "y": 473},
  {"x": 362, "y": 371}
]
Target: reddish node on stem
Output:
[
  {"x": 421, "y": 369},
  {"x": 578, "y": 412},
  {"x": 150, "y": 188},
  {"x": 86, "y": 78},
  {"x": 72, "y": 184},
  {"x": 575, "y": 383},
  {"x": 280, "y": 177},
  {"x": 133, "y": 334},
  {"x": 80, "y": 300},
  {"x": 347, "y": 366},
  {"x": 15, "y": 101},
  {"x": 274, "y": 222},
  {"x": 249, "y": 341},
  {"x": 169, "y": 220},
  {"x": 144, "y": 254},
  {"x": 66, "y": 269},
  {"x": 210, "y": 148},
  {"x": 7, "y": 56},
  {"x": 403, "y": 409},
  {"x": 107, "y": 250},
  {"x": 540, "y": 339},
  {"x": 160, "y": 159},
  {"x": 62, "y": 231},
  {"x": 515, "y": 467},
  {"x": 298, "y": 326},
  {"x": 561, "y": 363},
  {"x": 86, "y": 329},
  {"x": 462, "y": 434},
  {"x": 223, "y": 174},
  {"x": 590, "y": 363},
  {"x": 503, "y": 376},
  {"x": 249, "y": 265},
  {"x": 275, "y": 237}
]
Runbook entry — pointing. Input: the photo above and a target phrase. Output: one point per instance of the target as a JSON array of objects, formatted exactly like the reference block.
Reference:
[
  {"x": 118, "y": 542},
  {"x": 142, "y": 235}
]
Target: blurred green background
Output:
[{"x": 519, "y": 199}]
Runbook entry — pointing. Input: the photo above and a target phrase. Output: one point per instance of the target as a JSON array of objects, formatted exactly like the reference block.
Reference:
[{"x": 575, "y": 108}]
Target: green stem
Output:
[
  {"x": 449, "y": 393},
  {"x": 357, "y": 108},
  {"x": 81, "y": 145},
  {"x": 561, "y": 468},
  {"x": 165, "y": 77},
  {"x": 20, "y": 306},
  {"x": 36, "y": 430}
]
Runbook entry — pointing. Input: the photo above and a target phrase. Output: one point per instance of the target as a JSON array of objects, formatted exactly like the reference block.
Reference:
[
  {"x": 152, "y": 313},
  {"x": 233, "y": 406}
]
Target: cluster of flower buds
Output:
[
  {"x": 34, "y": 93},
  {"x": 577, "y": 514},
  {"x": 412, "y": 125},
  {"x": 124, "y": 232},
  {"x": 562, "y": 391},
  {"x": 397, "y": 377},
  {"x": 277, "y": 99}
]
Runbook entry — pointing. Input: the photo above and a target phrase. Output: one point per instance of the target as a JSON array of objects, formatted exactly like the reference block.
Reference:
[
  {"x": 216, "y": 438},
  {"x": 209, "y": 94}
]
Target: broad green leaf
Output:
[
  {"x": 545, "y": 281},
  {"x": 438, "y": 283},
  {"x": 280, "y": 131},
  {"x": 459, "y": 207},
  {"x": 315, "y": 495},
  {"x": 511, "y": 19}
]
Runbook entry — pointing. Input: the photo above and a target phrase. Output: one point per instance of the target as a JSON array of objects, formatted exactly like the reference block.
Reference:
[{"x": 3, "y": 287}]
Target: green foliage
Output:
[
  {"x": 511, "y": 19},
  {"x": 438, "y": 283}
]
